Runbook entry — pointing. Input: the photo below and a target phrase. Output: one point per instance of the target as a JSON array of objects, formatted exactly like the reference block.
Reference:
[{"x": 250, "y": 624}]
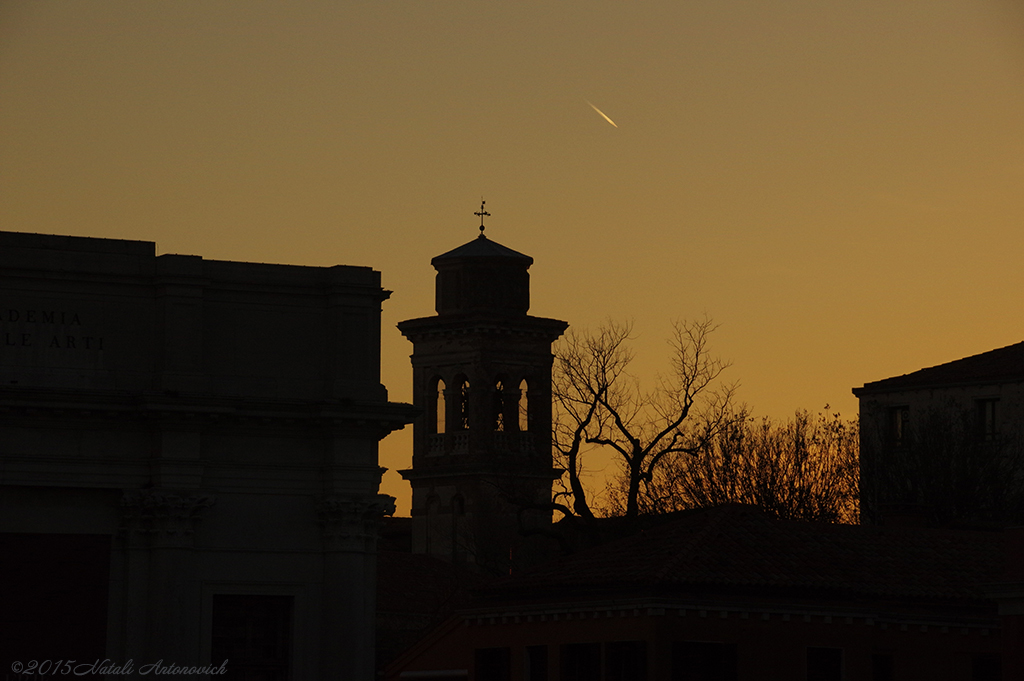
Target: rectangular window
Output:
[
  {"x": 987, "y": 425},
  {"x": 625, "y": 661},
  {"x": 536, "y": 663},
  {"x": 581, "y": 661},
  {"x": 254, "y": 633},
  {"x": 824, "y": 664},
  {"x": 703, "y": 661},
  {"x": 899, "y": 426},
  {"x": 493, "y": 664}
]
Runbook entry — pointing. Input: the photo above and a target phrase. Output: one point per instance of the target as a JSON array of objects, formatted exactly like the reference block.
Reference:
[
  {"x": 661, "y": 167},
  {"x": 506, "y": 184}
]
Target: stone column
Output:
[
  {"x": 163, "y": 606},
  {"x": 350, "y": 582}
]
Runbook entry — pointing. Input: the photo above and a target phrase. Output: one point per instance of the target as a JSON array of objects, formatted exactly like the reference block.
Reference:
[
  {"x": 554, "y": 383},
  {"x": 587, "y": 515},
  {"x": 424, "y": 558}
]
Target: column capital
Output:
[
  {"x": 350, "y": 522},
  {"x": 163, "y": 518}
]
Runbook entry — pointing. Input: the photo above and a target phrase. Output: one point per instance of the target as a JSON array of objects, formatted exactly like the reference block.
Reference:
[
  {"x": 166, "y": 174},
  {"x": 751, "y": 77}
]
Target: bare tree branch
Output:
[{"x": 598, "y": 403}]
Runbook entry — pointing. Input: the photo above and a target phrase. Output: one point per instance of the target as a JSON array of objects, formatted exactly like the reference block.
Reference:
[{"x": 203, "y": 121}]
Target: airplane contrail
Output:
[{"x": 600, "y": 112}]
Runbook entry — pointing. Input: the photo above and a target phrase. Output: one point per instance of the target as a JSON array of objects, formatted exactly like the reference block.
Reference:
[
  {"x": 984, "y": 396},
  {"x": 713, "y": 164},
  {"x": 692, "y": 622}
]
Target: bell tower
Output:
[{"x": 482, "y": 468}]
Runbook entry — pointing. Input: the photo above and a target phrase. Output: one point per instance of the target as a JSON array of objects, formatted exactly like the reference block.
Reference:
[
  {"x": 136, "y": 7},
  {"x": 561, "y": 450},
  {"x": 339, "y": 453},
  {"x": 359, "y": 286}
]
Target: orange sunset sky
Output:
[{"x": 839, "y": 185}]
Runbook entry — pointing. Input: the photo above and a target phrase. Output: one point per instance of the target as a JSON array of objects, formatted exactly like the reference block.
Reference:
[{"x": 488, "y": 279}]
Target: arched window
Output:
[
  {"x": 524, "y": 406},
  {"x": 498, "y": 406},
  {"x": 435, "y": 407},
  {"x": 462, "y": 404}
]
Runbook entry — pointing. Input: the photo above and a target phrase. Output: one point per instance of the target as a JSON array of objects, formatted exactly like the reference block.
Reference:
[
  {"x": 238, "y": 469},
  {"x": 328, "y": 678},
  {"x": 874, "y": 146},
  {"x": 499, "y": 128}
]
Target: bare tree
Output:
[
  {"x": 599, "y": 404},
  {"x": 805, "y": 468}
]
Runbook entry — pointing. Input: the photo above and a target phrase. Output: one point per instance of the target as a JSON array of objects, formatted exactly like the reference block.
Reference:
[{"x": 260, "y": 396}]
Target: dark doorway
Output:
[{"x": 54, "y": 593}]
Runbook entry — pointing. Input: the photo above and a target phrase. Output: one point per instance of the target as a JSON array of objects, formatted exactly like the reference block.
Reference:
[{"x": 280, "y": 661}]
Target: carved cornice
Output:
[
  {"x": 481, "y": 324},
  {"x": 151, "y": 408}
]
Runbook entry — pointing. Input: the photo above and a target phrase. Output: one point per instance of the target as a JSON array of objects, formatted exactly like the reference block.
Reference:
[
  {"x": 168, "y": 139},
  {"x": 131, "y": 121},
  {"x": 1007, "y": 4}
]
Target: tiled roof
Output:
[
  {"x": 418, "y": 583},
  {"x": 738, "y": 546},
  {"x": 482, "y": 247},
  {"x": 1004, "y": 365}
]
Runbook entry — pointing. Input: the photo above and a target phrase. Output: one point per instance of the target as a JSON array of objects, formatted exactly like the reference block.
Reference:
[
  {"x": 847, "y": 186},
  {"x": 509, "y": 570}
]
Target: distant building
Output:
[
  {"x": 943, "y": 437},
  {"x": 731, "y": 594},
  {"x": 188, "y": 460},
  {"x": 482, "y": 469}
]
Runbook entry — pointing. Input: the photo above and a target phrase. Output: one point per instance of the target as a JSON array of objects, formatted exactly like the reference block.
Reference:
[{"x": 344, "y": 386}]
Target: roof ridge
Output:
[{"x": 997, "y": 365}]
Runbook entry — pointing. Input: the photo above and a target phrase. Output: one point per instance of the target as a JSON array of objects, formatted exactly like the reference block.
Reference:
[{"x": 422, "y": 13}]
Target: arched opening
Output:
[
  {"x": 524, "y": 406},
  {"x": 462, "y": 404},
  {"x": 498, "y": 406},
  {"x": 435, "y": 407}
]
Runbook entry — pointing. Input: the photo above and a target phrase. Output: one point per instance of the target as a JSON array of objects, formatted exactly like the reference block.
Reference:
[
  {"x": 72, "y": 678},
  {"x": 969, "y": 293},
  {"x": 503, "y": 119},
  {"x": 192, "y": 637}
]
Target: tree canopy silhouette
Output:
[{"x": 804, "y": 468}]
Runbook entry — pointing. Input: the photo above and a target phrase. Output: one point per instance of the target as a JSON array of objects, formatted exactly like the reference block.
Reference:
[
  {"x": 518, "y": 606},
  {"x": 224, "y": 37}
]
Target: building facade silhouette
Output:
[
  {"x": 945, "y": 444},
  {"x": 482, "y": 468},
  {"x": 188, "y": 459}
]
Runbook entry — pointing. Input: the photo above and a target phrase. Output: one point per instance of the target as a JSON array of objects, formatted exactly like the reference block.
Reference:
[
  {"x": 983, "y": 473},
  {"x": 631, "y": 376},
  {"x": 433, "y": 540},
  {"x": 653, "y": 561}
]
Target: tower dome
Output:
[{"x": 482, "y": 276}]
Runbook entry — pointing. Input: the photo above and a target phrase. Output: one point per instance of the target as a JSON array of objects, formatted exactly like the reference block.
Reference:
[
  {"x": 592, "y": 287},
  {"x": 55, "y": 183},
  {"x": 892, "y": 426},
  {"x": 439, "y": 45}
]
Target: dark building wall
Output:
[
  {"x": 905, "y": 432},
  {"x": 763, "y": 642},
  {"x": 217, "y": 422}
]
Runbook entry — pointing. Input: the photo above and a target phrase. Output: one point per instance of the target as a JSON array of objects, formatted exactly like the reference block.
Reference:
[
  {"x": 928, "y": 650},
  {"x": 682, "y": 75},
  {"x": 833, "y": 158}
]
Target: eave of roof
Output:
[
  {"x": 1003, "y": 365},
  {"x": 482, "y": 247}
]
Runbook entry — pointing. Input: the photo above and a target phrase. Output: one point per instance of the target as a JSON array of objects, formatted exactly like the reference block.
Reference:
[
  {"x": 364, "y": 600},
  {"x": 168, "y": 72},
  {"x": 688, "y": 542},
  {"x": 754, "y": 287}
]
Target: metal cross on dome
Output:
[{"x": 482, "y": 214}]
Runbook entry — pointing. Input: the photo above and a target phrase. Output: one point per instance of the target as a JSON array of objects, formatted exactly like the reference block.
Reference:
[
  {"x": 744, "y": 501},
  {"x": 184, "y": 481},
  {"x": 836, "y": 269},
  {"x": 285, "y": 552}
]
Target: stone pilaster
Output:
[
  {"x": 350, "y": 567},
  {"x": 158, "y": 527}
]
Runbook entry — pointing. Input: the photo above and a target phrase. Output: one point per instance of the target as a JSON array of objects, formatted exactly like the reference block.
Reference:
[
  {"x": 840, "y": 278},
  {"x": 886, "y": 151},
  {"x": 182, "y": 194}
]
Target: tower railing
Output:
[
  {"x": 512, "y": 441},
  {"x": 435, "y": 445},
  {"x": 460, "y": 442}
]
